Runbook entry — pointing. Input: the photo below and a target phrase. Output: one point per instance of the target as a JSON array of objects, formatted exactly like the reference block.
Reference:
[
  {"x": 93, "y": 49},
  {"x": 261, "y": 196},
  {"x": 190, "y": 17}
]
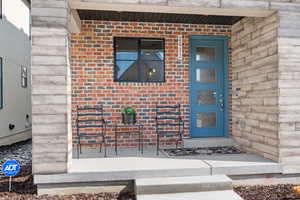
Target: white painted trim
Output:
[{"x": 80, "y": 5}]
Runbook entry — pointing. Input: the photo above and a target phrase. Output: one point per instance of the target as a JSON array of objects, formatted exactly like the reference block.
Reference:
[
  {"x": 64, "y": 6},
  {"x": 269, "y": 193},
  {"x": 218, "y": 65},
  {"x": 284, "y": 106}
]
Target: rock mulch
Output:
[
  {"x": 203, "y": 151},
  {"x": 101, "y": 196},
  {"x": 20, "y": 152},
  {"x": 24, "y": 189},
  {"x": 271, "y": 192}
]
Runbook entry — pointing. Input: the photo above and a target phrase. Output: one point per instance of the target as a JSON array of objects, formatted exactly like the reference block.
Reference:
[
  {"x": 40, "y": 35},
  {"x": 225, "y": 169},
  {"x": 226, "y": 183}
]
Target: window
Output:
[
  {"x": 0, "y": 9},
  {"x": 139, "y": 60},
  {"x": 24, "y": 77},
  {"x": 1, "y": 84}
]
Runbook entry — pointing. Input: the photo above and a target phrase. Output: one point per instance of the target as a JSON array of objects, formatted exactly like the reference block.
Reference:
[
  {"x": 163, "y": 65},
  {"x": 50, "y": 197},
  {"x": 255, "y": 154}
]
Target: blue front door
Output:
[{"x": 208, "y": 81}]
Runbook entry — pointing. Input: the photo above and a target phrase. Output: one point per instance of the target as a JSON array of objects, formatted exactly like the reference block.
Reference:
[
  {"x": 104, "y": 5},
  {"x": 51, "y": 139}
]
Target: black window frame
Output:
[
  {"x": 138, "y": 59},
  {"x": 1, "y": 9},
  {"x": 1, "y": 83}
]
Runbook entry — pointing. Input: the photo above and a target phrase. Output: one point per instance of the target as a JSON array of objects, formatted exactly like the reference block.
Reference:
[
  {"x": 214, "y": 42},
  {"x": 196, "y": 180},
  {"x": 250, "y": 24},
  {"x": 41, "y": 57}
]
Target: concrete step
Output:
[
  {"x": 189, "y": 184},
  {"x": 212, "y": 195},
  {"x": 207, "y": 142}
]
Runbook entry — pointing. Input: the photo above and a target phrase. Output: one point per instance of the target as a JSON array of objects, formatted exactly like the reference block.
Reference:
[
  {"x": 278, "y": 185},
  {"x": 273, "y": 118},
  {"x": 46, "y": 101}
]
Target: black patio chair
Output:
[
  {"x": 169, "y": 123},
  {"x": 90, "y": 117}
]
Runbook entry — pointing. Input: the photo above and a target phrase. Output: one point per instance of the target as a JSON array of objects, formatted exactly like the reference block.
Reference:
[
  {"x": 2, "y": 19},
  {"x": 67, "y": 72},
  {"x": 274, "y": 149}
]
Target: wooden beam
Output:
[
  {"x": 74, "y": 22},
  {"x": 121, "y": 7}
]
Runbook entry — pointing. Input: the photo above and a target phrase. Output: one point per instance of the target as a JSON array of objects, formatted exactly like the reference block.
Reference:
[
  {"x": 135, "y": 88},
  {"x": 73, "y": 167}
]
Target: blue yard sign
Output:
[{"x": 11, "y": 168}]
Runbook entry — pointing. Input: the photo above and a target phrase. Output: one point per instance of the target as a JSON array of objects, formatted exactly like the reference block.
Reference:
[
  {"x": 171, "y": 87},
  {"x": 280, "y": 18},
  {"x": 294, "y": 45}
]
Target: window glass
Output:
[
  {"x": 205, "y": 54},
  {"x": 206, "y": 120},
  {"x": 139, "y": 60},
  {"x": 206, "y": 98},
  {"x": 126, "y": 70},
  {"x": 152, "y": 71},
  {"x": 1, "y": 9},
  {"x": 1, "y": 83},
  {"x": 126, "y": 49},
  {"x": 152, "y": 50},
  {"x": 205, "y": 75}
]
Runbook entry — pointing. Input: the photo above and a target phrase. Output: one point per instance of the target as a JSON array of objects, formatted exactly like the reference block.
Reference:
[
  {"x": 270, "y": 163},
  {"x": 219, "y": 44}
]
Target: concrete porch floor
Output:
[
  {"x": 130, "y": 164},
  {"x": 130, "y": 159},
  {"x": 94, "y": 170}
]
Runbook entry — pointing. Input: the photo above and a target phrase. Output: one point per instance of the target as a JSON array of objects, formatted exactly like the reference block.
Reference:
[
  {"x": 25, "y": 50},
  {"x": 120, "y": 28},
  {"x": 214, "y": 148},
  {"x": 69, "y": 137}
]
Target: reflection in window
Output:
[
  {"x": 139, "y": 60},
  {"x": 206, "y": 75},
  {"x": 152, "y": 50},
  {"x": 205, "y": 54},
  {"x": 206, "y": 98},
  {"x": 126, "y": 49},
  {"x": 206, "y": 120}
]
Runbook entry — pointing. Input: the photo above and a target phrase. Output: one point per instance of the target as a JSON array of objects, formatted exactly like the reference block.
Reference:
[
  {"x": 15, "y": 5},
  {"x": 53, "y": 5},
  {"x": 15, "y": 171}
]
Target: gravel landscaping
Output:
[
  {"x": 20, "y": 152},
  {"x": 24, "y": 189},
  {"x": 272, "y": 192}
]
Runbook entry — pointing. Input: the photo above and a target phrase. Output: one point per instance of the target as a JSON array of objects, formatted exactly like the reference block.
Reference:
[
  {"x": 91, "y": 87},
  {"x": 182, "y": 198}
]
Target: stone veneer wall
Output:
[
  {"x": 255, "y": 85},
  {"x": 50, "y": 87},
  {"x": 289, "y": 86}
]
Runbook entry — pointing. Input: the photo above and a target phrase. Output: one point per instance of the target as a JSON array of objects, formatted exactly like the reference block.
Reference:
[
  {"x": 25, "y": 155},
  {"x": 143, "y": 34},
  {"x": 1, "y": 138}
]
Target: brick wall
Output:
[
  {"x": 92, "y": 71},
  {"x": 255, "y": 72}
]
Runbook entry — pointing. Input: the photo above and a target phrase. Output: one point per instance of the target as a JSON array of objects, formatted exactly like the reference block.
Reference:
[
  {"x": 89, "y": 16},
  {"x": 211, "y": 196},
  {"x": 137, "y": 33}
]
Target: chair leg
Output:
[
  {"x": 157, "y": 145},
  {"x": 116, "y": 141},
  {"x": 77, "y": 151},
  {"x": 101, "y": 147},
  {"x": 142, "y": 140},
  {"x": 139, "y": 138},
  {"x": 105, "y": 152},
  {"x": 80, "y": 148}
]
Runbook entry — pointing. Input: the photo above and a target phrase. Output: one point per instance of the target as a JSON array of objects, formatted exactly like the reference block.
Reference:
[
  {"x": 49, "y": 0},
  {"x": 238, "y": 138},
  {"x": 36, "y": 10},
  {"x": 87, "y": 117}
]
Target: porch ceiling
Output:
[{"x": 157, "y": 17}]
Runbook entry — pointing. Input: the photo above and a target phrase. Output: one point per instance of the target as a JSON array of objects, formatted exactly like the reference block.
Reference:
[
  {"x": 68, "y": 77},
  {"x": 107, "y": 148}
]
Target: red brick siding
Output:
[{"x": 93, "y": 69}]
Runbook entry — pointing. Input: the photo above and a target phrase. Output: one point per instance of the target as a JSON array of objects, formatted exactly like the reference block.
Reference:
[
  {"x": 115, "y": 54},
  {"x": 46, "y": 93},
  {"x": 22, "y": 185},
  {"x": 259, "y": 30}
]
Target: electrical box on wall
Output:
[{"x": 237, "y": 92}]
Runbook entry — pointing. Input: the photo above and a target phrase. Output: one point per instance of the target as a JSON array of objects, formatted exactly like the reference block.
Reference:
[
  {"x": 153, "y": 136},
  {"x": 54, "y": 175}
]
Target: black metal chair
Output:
[
  {"x": 90, "y": 117},
  {"x": 169, "y": 123}
]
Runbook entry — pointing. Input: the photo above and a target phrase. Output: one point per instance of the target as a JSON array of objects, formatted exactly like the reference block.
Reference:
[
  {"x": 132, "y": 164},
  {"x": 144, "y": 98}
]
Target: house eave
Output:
[{"x": 197, "y": 10}]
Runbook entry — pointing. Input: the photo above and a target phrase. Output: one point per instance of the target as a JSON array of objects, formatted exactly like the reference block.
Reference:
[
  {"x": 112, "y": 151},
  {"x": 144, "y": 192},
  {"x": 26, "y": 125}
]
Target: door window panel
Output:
[
  {"x": 206, "y": 98},
  {"x": 206, "y": 120},
  {"x": 206, "y": 75},
  {"x": 205, "y": 54}
]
